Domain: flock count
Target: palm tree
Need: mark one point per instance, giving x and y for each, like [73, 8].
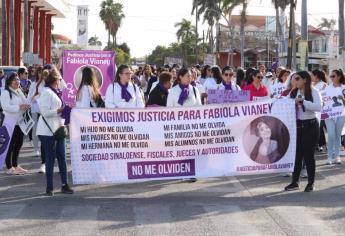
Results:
[115, 23]
[304, 32]
[4, 33]
[341, 26]
[185, 29]
[291, 58]
[94, 41]
[279, 4]
[185, 36]
[111, 14]
[328, 24]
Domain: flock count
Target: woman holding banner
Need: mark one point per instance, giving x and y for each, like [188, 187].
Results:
[51, 108]
[227, 80]
[183, 94]
[308, 103]
[14, 104]
[122, 93]
[335, 125]
[88, 94]
[255, 86]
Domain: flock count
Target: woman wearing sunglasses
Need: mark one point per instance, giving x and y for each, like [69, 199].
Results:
[308, 103]
[255, 86]
[335, 125]
[228, 82]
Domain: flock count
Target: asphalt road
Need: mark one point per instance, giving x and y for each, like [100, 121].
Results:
[250, 205]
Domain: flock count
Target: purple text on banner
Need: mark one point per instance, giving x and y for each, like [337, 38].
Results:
[160, 169]
[217, 96]
[102, 62]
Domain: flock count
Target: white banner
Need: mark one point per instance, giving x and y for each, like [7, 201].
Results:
[126, 145]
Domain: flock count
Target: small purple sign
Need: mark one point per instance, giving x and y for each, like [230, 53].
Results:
[102, 62]
[160, 169]
[217, 96]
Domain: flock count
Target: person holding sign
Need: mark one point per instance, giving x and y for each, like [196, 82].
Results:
[14, 104]
[88, 94]
[227, 80]
[122, 93]
[335, 125]
[255, 86]
[308, 103]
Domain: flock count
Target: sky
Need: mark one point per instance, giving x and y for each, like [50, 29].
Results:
[149, 23]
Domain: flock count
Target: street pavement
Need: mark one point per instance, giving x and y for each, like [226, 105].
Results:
[246, 205]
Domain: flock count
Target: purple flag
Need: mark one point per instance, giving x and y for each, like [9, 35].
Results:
[6, 131]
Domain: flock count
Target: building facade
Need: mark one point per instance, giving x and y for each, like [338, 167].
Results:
[26, 29]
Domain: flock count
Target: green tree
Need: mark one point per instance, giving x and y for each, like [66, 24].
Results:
[122, 57]
[94, 41]
[185, 30]
[111, 14]
[124, 47]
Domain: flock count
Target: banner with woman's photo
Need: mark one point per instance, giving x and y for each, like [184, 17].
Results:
[333, 105]
[102, 62]
[125, 145]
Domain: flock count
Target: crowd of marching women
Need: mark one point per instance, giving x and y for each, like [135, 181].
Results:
[41, 95]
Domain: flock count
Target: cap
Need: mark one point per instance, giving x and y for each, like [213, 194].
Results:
[269, 74]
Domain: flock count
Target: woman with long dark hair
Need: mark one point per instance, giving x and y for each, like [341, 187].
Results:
[216, 78]
[308, 102]
[240, 77]
[335, 125]
[255, 86]
[88, 94]
[14, 104]
[122, 92]
[205, 73]
[183, 93]
[228, 82]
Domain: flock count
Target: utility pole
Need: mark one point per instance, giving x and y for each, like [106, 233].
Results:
[304, 35]
[196, 33]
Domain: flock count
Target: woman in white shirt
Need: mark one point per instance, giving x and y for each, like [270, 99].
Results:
[183, 93]
[122, 93]
[335, 125]
[228, 82]
[34, 94]
[195, 83]
[14, 104]
[51, 107]
[308, 102]
[88, 94]
[319, 80]
[214, 80]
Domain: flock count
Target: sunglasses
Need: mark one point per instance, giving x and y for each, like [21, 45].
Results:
[259, 77]
[228, 74]
[332, 76]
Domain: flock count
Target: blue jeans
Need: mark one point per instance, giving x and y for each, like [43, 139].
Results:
[334, 128]
[54, 148]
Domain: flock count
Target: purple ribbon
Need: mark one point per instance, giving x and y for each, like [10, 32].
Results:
[124, 92]
[227, 86]
[193, 83]
[184, 94]
[66, 112]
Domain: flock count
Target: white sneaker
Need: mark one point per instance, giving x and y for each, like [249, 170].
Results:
[42, 169]
[328, 162]
[37, 153]
[338, 160]
[287, 175]
[10, 171]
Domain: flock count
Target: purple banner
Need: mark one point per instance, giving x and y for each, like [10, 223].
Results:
[160, 169]
[103, 63]
[217, 96]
